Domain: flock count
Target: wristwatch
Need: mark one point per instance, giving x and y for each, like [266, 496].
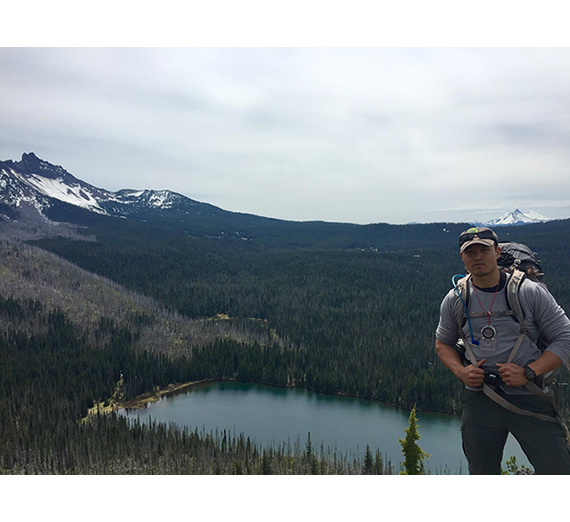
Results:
[529, 373]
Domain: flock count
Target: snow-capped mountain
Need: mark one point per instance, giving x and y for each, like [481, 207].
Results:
[516, 217]
[36, 183]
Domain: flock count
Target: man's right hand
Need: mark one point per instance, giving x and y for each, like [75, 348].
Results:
[471, 375]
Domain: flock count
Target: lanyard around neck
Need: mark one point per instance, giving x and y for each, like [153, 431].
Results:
[492, 302]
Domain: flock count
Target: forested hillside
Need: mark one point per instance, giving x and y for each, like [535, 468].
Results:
[87, 299]
[55, 365]
[354, 321]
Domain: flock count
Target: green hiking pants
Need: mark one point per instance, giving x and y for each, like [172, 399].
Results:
[485, 426]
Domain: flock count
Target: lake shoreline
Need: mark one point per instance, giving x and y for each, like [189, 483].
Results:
[285, 415]
[141, 401]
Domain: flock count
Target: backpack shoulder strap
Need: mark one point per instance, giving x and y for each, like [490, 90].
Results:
[462, 302]
[513, 288]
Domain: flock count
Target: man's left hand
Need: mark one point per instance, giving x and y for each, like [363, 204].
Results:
[512, 374]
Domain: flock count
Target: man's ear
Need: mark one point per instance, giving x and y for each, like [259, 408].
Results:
[498, 252]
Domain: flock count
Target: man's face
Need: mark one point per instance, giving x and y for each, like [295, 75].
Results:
[481, 260]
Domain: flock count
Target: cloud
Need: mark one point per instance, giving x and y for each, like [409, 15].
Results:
[359, 135]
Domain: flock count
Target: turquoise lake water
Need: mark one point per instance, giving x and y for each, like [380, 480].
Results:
[272, 415]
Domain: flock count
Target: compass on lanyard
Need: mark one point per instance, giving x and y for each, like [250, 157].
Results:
[488, 331]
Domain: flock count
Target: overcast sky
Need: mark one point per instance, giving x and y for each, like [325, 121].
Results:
[355, 135]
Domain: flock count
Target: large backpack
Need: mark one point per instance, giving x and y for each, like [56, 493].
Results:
[517, 255]
[520, 262]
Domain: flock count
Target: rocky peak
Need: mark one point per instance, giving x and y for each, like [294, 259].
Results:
[31, 164]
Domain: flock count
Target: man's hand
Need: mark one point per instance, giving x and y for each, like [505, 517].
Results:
[512, 374]
[471, 375]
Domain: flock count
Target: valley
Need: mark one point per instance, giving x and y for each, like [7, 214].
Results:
[158, 290]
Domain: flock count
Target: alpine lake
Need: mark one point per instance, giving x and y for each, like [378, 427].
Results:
[271, 415]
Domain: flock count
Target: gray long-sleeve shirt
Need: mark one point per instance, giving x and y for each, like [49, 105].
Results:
[542, 315]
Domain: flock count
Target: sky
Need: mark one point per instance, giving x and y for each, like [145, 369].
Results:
[360, 135]
[305, 110]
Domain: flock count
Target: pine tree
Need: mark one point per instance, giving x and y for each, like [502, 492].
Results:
[311, 459]
[413, 454]
[266, 464]
[309, 447]
[378, 464]
[368, 461]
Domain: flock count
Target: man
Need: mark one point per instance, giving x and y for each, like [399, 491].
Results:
[490, 335]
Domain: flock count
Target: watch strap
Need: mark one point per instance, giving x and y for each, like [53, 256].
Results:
[529, 373]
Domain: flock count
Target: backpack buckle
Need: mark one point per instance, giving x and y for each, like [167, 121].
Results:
[493, 379]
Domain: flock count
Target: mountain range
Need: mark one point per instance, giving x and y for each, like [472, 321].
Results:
[40, 184]
[42, 197]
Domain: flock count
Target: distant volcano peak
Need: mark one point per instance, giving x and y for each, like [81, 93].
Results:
[517, 217]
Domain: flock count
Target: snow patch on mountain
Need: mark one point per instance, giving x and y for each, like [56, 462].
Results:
[132, 193]
[57, 188]
[161, 199]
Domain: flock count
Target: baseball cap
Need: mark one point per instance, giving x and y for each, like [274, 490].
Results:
[477, 235]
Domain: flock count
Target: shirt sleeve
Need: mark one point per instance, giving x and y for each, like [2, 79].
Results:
[447, 329]
[550, 319]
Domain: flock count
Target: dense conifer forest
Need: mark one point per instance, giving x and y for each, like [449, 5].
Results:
[149, 308]
[358, 321]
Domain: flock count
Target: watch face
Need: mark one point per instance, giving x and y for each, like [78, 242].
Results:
[488, 332]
